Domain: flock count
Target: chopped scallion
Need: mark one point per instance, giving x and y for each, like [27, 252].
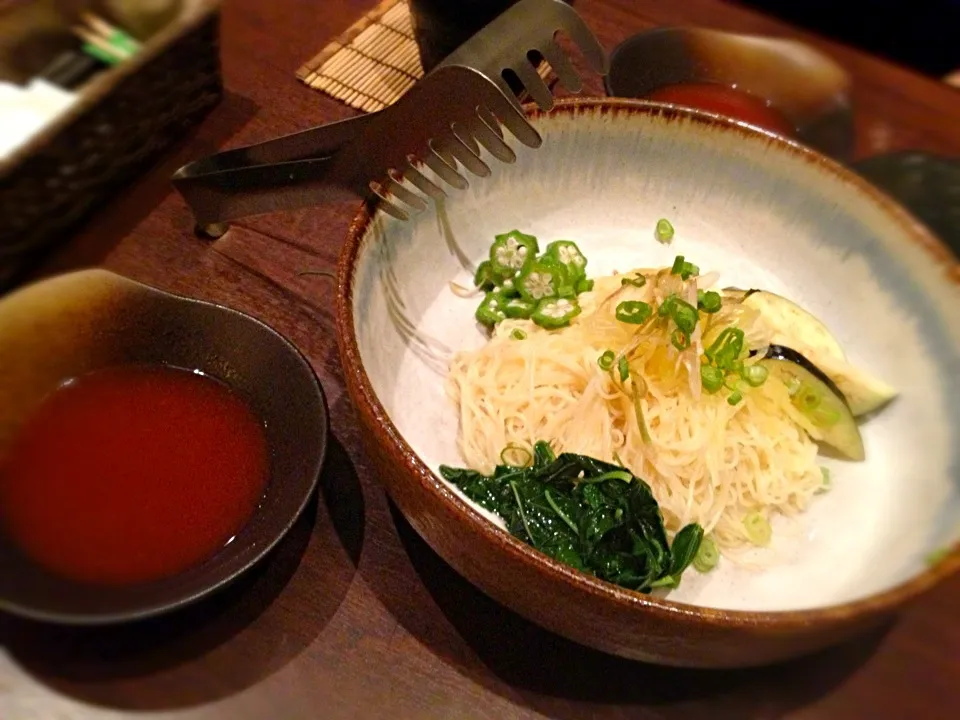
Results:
[666, 307]
[624, 367]
[518, 334]
[513, 448]
[683, 268]
[755, 375]
[640, 386]
[684, 315]
[711, 377]
[735, 397]
[808, 400]
[634, 312]
[707, 556]
[680, 340]
[638, 281]
[605, 361]
[827, 481]
[664, 230]
[758, 529]
[709, 301]
[726, 349]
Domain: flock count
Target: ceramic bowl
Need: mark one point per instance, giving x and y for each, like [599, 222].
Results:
[764, 212]
[80, 322]
[810, 89]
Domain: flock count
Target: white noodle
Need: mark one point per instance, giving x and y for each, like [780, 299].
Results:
[707, 461]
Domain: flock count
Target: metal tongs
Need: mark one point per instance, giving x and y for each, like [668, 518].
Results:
[440, 123]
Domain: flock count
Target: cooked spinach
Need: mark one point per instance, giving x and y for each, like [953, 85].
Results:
[596, 517]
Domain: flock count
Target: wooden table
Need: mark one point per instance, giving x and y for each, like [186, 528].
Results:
[353, 616]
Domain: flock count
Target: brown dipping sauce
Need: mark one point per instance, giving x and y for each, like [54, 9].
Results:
[133, 474]
[728, 102]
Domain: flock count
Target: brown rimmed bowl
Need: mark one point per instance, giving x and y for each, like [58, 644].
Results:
[810, 89]
[764, 212]
[80, 322]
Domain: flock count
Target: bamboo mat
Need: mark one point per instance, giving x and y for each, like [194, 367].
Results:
[375, 61]
[372, 64]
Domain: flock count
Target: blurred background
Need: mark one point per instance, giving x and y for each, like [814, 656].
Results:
[921, 34]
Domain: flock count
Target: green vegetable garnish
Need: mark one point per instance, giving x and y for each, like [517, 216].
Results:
[707, 556]
[709, 301]
[584, 285]
[540, 280]
[684, 315]
[606, 524]
[552, 313]
[636, 396]
[518, 334]
[664, 230]
[725, 350]
[511, 253]
[758, 529]
[634, 312]
[638, 281]
[567, 254]
[735, 397]
[484, 277]
[683, 268]
[827, 481]
[755, 375]
[491, 309]
[509, 288]
[680, 311]
[680, 340]
[711, 378]
[518, 308]
[624, 368]
[512, 448]
[605, 361]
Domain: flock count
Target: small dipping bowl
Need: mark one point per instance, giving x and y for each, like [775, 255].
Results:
[86, 321]
[806, 87]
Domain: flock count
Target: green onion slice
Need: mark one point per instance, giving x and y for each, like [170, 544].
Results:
[709, 301]
[755, 375]
[680, 340]
[711, 378]
[605, 361]
[634, 312]
[514, 448]
[637, 281]
[827, 480]
[664, 230]
[758, 529]
[707, 556]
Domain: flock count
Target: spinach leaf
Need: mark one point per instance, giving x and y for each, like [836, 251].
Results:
[591, 515]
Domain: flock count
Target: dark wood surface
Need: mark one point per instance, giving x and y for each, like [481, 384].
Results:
[353, 616]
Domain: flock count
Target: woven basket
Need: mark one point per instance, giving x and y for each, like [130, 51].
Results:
[125, 118]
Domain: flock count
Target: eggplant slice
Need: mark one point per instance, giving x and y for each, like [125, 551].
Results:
[864, 393]
[818, 398]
